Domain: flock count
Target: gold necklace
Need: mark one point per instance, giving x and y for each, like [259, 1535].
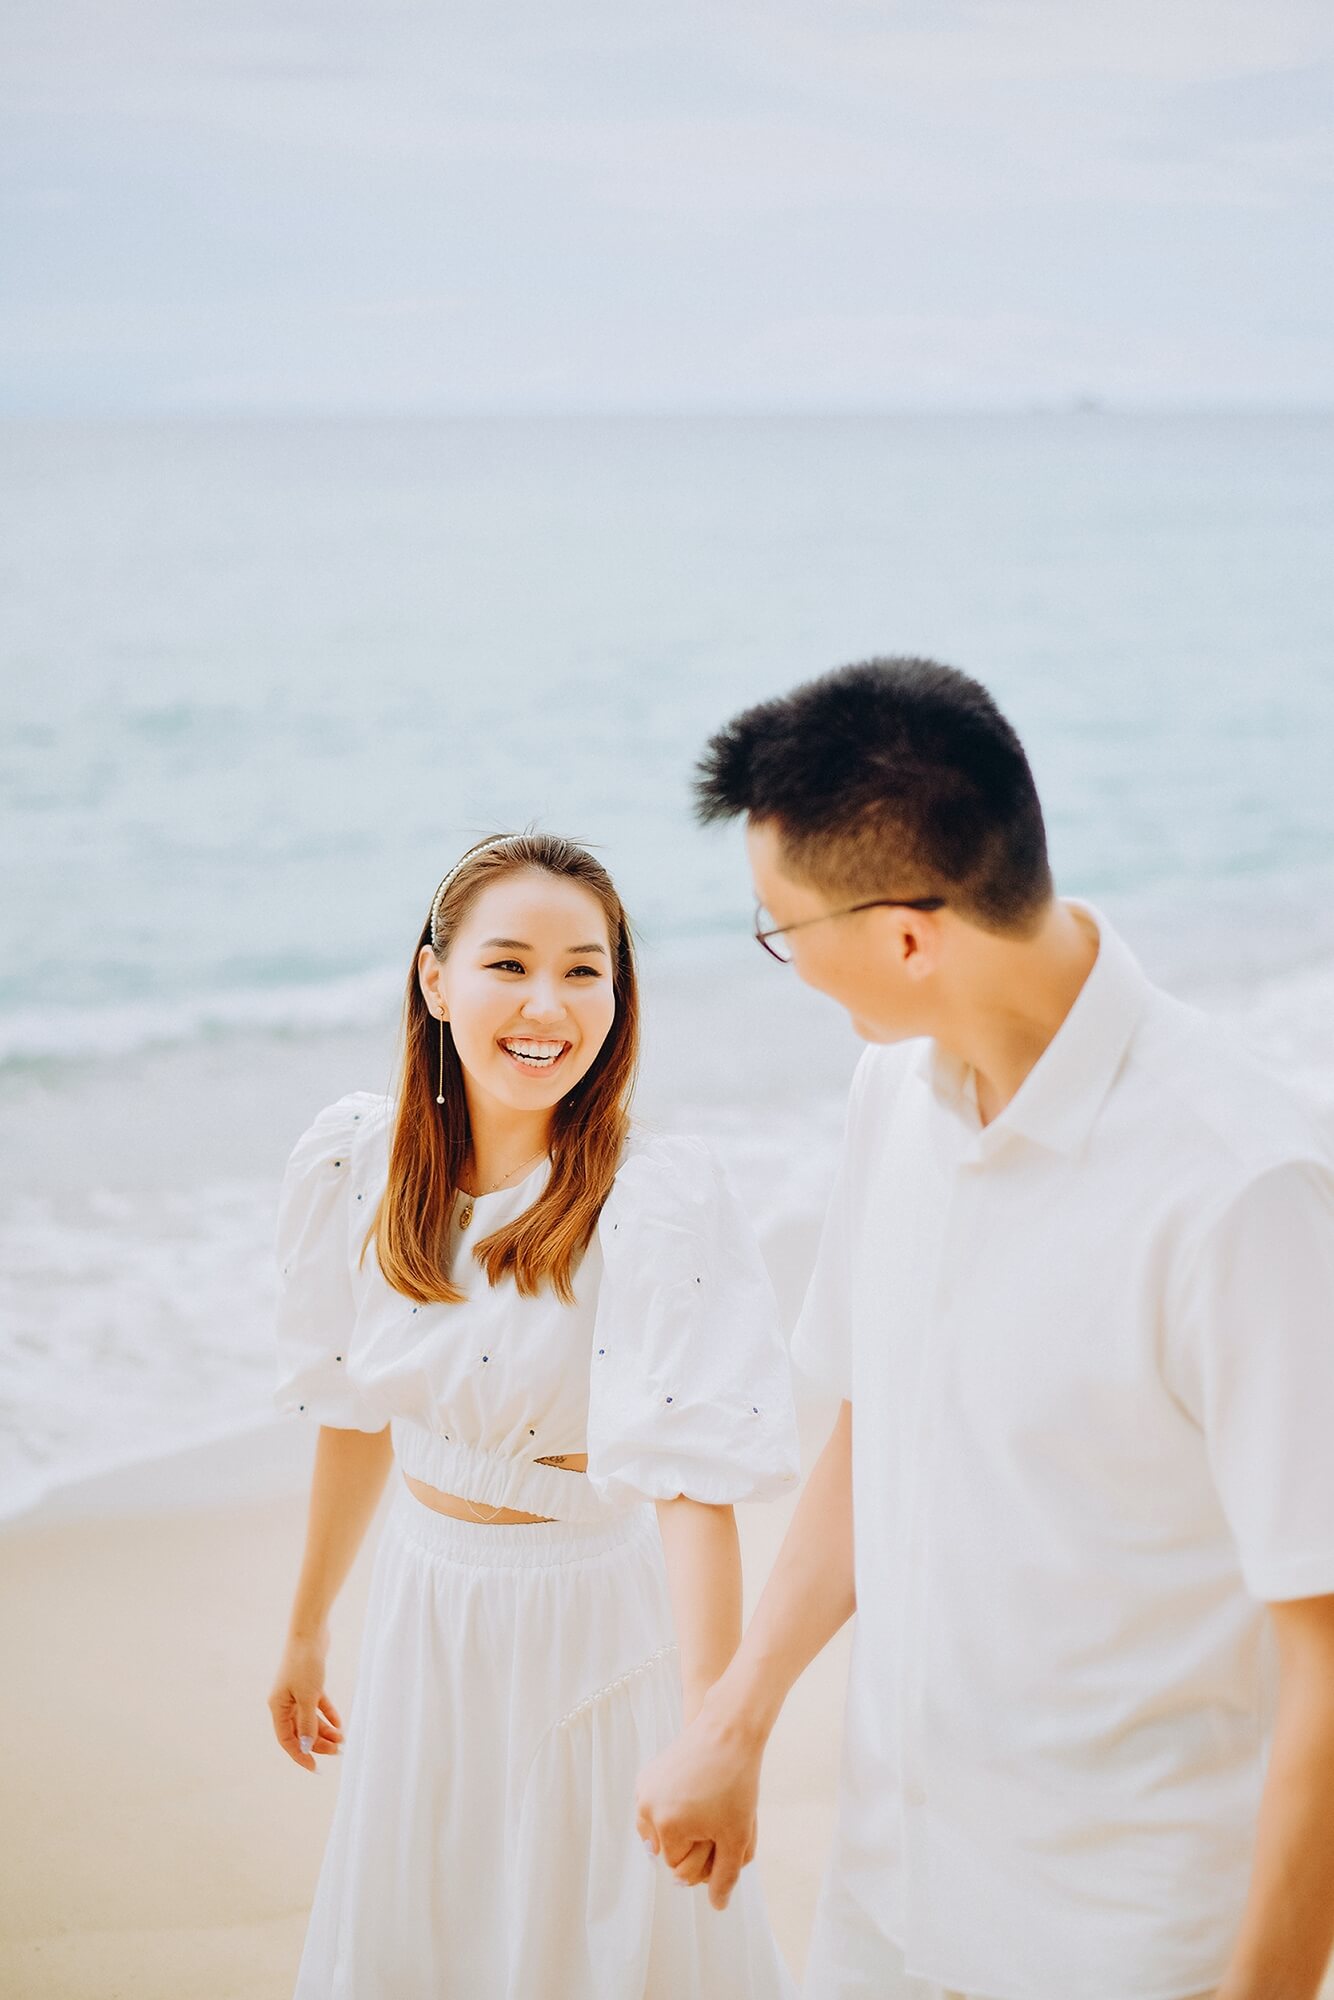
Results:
[470, 1200]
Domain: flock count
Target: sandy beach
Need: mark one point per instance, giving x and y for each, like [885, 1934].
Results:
[157, 1845]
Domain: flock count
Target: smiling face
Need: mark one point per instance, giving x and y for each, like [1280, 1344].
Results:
[526, 986]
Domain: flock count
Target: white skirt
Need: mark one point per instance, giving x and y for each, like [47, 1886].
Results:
[513, 1682]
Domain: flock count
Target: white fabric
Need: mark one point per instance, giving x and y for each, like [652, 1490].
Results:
[669, 1369]
[513, 1681]
[852, 1959]
[1089, 1358]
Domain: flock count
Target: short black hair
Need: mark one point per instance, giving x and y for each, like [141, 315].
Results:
[897, 776]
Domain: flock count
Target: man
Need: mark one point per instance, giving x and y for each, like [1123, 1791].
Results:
[1075, 1291]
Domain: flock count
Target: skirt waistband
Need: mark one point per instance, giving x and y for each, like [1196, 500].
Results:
[492, 1479]
[518, 1544]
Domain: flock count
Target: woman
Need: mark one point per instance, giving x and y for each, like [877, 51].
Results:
[549, 1319]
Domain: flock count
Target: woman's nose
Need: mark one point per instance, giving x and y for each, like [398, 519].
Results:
[544, 1003]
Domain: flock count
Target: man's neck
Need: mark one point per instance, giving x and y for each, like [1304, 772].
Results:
[1015, 1007]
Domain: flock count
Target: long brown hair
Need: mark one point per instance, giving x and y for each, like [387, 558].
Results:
[431, 1141]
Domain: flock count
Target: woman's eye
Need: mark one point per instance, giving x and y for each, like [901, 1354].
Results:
[576, 971]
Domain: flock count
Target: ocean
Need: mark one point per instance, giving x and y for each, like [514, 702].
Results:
[263, 680]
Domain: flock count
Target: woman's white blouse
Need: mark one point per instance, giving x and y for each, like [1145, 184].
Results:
[669, 1369]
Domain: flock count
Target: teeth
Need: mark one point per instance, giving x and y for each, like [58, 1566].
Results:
[540, 1055]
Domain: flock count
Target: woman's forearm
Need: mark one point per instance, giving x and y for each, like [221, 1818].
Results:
[704, 1787]
[703, 1559]
[349, 1476]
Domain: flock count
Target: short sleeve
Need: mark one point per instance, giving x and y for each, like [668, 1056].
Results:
[316, 1312]
[690, 1391]
[1259, 1352]
[822, 1338]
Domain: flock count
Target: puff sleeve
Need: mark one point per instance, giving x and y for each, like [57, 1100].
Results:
[690, 1391]
[316, 1311]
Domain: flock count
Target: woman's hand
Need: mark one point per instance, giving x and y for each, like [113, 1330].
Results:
[696, 1802]
[305, 1721]
[349, 1475]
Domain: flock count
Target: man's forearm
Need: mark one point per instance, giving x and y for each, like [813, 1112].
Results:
[810, 1594]
[1287, 1928]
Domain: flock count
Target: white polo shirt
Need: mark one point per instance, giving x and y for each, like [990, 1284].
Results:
[1090, 1354]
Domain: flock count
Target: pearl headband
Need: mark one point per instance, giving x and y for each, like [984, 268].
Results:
[493, 840]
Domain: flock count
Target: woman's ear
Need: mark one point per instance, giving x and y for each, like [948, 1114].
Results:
[428, 978]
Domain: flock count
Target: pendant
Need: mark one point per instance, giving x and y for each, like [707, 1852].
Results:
[465, 1215]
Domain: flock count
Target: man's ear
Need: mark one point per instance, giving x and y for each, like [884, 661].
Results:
[919, 942]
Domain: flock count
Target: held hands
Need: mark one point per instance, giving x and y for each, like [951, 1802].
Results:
[696, 1803]
[305, 1721]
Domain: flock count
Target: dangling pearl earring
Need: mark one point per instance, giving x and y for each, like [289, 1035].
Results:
[440, 1087]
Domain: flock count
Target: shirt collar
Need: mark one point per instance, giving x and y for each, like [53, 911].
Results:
[1059, 1099]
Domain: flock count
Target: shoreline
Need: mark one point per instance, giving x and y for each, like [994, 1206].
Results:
[268, 1461]
[249, 1456]
[141, 1287]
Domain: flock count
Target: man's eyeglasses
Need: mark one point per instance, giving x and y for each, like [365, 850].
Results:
[765, 932]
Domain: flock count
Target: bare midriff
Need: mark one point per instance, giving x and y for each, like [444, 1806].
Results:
[491, 1517]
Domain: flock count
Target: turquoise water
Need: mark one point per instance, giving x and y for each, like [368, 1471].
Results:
[263, 681]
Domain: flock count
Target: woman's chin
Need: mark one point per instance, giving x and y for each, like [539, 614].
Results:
[532, 1089]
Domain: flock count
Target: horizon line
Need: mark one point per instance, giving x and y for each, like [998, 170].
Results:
[1090, 405]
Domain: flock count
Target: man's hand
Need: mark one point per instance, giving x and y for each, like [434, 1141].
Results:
[697, 1799]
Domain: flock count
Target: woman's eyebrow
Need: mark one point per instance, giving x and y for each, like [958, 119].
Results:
[517, 944]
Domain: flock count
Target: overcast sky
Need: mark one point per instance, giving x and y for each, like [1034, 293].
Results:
[348, 204]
